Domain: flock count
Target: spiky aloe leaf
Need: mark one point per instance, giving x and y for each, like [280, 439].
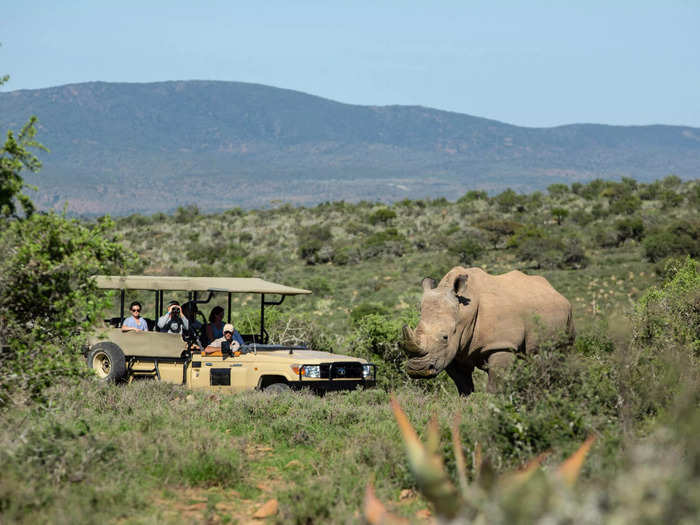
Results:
[523, 474]
[375, 512]
[428, 469]
[570, 469]
[459, 455]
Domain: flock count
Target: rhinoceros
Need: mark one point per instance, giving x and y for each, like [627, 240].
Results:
[472, 319]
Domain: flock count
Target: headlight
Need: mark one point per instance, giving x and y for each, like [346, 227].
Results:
[366, 371]
[312, 371]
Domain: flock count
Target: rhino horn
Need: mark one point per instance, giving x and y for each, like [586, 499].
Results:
[410, 344]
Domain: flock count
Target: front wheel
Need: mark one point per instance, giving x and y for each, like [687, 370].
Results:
[108, 362]
[278, 388]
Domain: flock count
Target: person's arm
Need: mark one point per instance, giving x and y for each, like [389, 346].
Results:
[210, 332]
[144, 325]
[164, 319]
[238, 338]
[128, 325]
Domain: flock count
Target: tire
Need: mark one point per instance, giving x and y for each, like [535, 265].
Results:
[107, 360]
[277, 388]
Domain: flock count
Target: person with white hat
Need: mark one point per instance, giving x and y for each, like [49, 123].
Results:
[230, 344]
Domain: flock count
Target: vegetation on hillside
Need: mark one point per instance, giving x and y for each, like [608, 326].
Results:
[123, 147]
[620, 251]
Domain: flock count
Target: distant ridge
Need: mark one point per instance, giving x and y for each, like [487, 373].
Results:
[122, 148]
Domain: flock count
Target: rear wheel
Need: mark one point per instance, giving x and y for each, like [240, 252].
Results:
[278, 388]
[107, 360]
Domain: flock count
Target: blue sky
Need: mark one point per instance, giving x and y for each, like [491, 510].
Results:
[530, 63]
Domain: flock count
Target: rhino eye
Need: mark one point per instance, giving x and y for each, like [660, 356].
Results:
[444, 338]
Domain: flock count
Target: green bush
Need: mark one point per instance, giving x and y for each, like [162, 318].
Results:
[467, 250]
[362, 310]
[560, 214]
[557, 190]
[312, 241]
[378, 338]
[679, 238]
[382, 216]
[625, 205]
[186, 214]
[385, 242]
[473, 195]
[630, 228]
[49, 300]
[670, 314]
[509, 201]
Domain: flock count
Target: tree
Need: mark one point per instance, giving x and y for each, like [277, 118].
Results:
[560, 214]
[467, 250]
[48, 299]
[15, 157]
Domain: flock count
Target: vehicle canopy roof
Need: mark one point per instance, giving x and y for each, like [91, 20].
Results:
[196, 284]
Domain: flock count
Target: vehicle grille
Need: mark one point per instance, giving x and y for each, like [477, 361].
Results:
[343, 370]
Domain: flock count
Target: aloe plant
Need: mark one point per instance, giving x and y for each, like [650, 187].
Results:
[479, 500]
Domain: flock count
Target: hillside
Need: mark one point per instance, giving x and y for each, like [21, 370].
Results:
[123, 148]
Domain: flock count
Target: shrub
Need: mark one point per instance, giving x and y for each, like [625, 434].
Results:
[498, 229]
[186, 214]
[560, 214]
[557, 190]
[467, 250]
[382, 216]
[670, 199]
[362, 310]
[311, 240]
[48, 299]
[606, 237]
[670, 314]
[679, 238]
[386, 242]
[629, 228]
[258, 262]
[473, 195]
[593, 189]
[582, 217]
[625, 205]
[378, 338]
[509, 200]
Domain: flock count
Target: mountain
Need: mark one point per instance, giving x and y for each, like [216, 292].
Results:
[122, 148]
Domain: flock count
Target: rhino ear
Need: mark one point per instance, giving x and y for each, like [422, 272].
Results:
[428, 283]
[460, 285]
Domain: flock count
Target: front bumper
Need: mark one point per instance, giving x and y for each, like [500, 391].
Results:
[325, 385]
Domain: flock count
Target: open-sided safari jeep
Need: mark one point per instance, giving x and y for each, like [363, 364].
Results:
[118, 356]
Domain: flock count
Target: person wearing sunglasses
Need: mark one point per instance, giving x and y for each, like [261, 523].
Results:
[230, 344]
[135, 323]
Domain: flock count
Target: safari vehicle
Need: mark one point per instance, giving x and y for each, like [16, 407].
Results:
[174, 358]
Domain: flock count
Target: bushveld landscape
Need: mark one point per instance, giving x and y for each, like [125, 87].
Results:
[624, 253]
[122, 148]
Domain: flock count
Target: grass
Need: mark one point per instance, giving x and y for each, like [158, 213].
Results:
[152, 453]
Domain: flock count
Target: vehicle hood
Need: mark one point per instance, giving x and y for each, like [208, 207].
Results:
[308, 357]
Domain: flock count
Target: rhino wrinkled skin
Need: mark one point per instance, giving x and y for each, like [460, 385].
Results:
[472, 319]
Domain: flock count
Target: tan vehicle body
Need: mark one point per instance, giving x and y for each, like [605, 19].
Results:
[168, 357]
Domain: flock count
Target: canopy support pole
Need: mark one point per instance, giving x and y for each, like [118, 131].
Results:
[229, 308]
[121, 307]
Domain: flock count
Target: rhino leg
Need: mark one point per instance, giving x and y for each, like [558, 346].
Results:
[462, 376]
[498, 365]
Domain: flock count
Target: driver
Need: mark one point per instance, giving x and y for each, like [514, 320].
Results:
[230, 344]
[173, 321]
